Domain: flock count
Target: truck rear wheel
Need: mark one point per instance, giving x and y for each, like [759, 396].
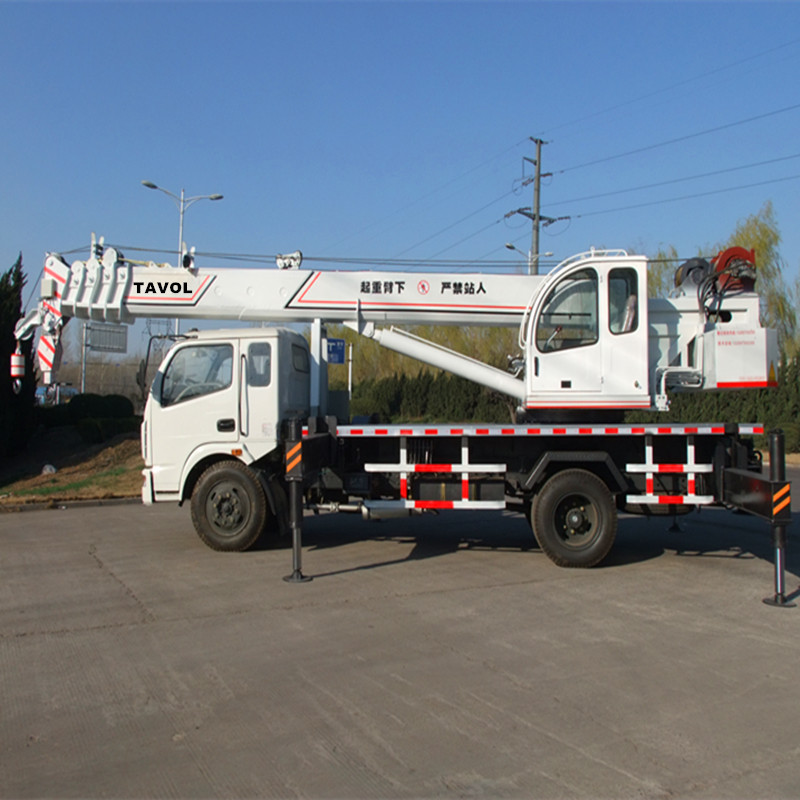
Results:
[229, 507]
[574, 518]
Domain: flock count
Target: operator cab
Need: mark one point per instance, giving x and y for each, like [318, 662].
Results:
[587, 336]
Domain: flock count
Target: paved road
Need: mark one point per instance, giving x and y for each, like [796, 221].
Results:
[447, 658]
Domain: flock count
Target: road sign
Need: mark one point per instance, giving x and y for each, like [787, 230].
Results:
[107, 338]
[336, 351]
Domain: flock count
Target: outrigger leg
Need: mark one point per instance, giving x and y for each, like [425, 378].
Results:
[294, 477]
[781, 497]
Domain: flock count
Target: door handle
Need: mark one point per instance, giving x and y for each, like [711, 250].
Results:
[226, 425]
[243, 399]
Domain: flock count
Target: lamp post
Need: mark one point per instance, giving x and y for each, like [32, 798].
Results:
[532, 258]
[182, 203]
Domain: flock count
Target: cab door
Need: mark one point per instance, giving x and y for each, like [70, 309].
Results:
[565, 363]
[194, 402]
[258, 409]
[625, 355]
[588, 341]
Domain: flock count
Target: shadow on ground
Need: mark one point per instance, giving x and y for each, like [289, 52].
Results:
[711, 534]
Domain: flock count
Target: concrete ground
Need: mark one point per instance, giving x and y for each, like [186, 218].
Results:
[439, 657]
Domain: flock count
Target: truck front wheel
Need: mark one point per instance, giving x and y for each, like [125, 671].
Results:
[574, 518]
[229, 507]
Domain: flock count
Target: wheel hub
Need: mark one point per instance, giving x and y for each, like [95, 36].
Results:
[576, 520]
[225, 508]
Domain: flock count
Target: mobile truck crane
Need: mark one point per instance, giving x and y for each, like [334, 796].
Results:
[235, 417]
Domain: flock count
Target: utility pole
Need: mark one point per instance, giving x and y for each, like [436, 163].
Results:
[533, 267]
[533, 213]
[535, 216]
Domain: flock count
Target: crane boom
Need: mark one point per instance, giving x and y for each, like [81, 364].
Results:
[111, 289]
[590, 339]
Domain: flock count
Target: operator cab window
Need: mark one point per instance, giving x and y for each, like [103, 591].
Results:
[197, 371]
[299, 358]
[623, 300]
[259, 356]
[569, 314]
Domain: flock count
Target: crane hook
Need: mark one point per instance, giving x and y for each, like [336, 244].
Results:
[17, 369]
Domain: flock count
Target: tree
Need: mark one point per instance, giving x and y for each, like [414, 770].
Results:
[660, 271]
[760, 232]
[16, 410]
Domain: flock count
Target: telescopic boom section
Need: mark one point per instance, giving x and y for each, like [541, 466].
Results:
[113, 290]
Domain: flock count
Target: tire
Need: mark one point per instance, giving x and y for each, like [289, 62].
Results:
[574, 519]
[229, 507]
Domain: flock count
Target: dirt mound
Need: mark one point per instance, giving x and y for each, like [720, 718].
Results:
[82, 471]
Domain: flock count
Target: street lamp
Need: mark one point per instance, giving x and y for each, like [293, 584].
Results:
[532, 258]
[183, 203]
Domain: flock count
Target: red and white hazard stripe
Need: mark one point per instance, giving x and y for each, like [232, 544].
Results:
[46, 355]
[56, 270]
[436, 468]
[434, 504]
[46, 352]
[17, 365]
[651, 469]
[389, 431]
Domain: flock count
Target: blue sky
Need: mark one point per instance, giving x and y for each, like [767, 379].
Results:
[394, 130]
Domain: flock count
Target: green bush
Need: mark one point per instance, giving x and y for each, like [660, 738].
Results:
[118, 406]
[128, 424]
[428, 398]
[791, 432]
[87, 405]
[53, 416]
[83, 406]
[98, 429]
[90, 430]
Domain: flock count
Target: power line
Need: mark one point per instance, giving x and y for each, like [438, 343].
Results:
[623, 191]
[432, 192]
[525, 181]
[687, 197]
[458, 222]
[467, 238]
[670, 87]
[267, 258]
[394, 262]
[675, 180]
[680, 139]
[632, 152]
[557, 127]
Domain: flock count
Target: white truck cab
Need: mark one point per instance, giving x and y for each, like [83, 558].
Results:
[220, 393]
